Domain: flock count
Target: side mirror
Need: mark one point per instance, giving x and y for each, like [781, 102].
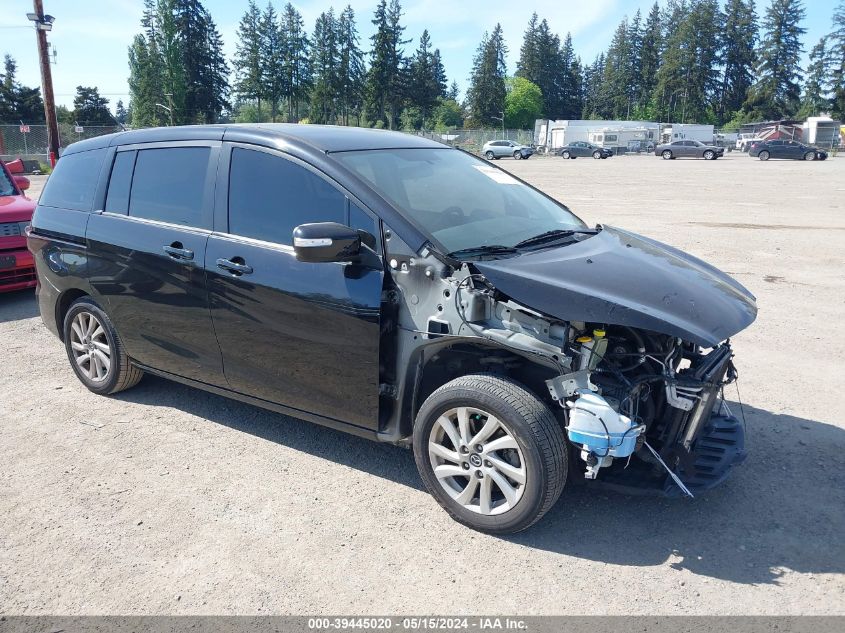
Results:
[326, 242]
[22, 182]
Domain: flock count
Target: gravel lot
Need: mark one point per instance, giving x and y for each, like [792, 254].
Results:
[165, 499]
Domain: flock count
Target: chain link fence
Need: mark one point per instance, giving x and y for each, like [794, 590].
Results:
[473, 140]
[30, 141]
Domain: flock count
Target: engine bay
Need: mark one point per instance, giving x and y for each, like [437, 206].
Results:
[638, 406]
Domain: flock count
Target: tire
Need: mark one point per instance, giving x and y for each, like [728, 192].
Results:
[667, 154]
[709, 155]
[764, 155]
[597, 155]
[566, 155]
[810, 156]
[88, 331]
[532, 447]
[517, 155]
[489, 155]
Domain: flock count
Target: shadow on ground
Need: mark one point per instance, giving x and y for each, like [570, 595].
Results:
[783, 509]
[17, 305]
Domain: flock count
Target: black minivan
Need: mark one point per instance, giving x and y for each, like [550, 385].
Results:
[398, 289]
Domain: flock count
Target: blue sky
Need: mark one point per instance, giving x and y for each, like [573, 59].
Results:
[91, 36]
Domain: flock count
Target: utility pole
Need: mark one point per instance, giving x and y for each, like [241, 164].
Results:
[42, 25]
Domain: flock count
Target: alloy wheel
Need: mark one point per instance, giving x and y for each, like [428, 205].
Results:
[477, 460]
[90, 346]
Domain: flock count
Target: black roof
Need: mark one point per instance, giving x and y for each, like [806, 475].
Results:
[314, 143]
[323, 138]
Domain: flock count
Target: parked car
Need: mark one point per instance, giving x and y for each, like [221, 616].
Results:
[764, 150]
[498, 149]
[688, 149]
[582, 149]
[16, 268]
[398, 289]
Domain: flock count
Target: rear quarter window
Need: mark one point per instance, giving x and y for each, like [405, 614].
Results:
[73, 181]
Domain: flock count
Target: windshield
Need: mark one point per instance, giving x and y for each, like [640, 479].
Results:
[459, 200]
[6, 186]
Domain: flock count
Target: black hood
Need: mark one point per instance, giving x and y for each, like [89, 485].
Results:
[621, 278]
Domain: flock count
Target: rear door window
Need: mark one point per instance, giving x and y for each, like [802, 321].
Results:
[269, 196]
[169, 185]
[72, 183]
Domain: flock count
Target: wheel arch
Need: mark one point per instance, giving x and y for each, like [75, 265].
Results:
[66, 299]
[443, 360]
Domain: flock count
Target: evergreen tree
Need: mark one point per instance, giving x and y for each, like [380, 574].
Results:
[814, 100]
[453, 91]
[426, 85]
[248, 61]
[593, 89]
[529, 64]
[649, 61]
[18, 103]
[571, 84]
[739, 56]
[836, 61]
[486, 94]
[89, 108]
[146, 84]
[351, 70]
[776, 93]
[271, 54]
[325, 66]
[615, 97]
[120, 113]
[688, 77]
[385, 84]
[295, 60]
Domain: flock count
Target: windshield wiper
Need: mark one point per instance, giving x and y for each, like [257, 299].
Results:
[485, 249]
[553, 235]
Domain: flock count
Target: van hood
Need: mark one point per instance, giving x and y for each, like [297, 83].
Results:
[620, 278]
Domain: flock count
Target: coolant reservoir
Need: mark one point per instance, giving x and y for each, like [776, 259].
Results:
[599, 429]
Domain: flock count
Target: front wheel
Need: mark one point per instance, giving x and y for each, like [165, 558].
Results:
[597, 155]
[490, 452]
[709, 155]
[517, 155]
[667, 155]
[764, 155]
[810, 156]
[95, 351]
[489, 155]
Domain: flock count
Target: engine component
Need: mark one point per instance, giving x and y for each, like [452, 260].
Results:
[602, 432]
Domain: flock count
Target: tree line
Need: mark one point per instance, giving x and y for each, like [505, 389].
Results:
[685, 61]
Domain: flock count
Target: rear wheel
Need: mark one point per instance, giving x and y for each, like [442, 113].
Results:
[764, 155]
[667, 154]
[709, 154]
[489, 155]
[490, 452]
[95, 351]
[810, 156]
[597, 155]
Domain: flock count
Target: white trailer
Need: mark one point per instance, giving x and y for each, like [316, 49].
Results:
[821, 131]
[688, 132]
[555, 134]
[623, 139]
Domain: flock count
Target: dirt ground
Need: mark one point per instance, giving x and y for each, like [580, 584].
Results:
[165, 499]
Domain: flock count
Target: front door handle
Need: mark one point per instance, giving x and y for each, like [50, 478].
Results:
[177, 251]
[236, 266]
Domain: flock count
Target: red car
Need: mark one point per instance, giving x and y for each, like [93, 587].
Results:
[17, 270]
